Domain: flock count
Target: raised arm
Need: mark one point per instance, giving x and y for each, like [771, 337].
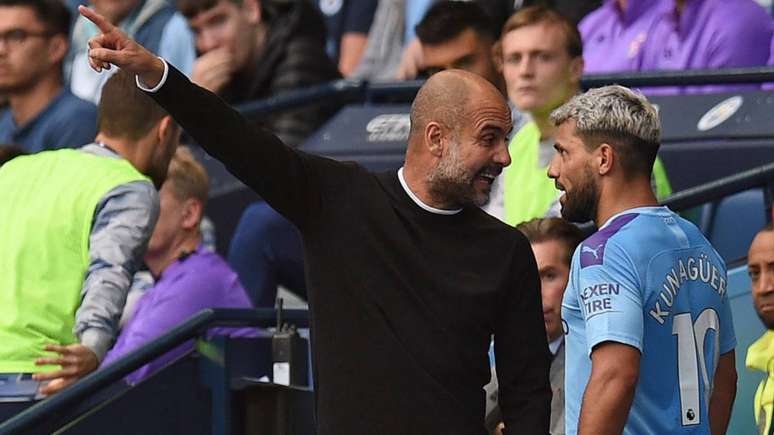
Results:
[285, 178]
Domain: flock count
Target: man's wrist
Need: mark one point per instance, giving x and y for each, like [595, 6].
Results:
[153, 79]
[98, 341]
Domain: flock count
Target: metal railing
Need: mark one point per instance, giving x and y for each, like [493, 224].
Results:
[720, 188]
[194, 327]
[354, 91]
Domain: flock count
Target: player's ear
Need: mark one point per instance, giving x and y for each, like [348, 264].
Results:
[605, 157]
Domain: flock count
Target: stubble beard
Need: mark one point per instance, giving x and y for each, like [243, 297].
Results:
[581, 205]
[451, 183]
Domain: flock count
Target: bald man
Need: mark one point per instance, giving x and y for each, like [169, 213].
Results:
[408, 278]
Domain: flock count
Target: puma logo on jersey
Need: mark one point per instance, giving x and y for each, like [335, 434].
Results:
[594, 252]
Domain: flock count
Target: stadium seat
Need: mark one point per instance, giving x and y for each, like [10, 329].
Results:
[736, 220]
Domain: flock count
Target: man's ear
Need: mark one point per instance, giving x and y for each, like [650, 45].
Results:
[57, 48]
[434, 138]
[192, 213]
[167, 127]
[605, 156]
[252, 10]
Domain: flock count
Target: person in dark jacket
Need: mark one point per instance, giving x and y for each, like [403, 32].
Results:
[254, 49]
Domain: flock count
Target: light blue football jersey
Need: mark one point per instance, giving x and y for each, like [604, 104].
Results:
[649, 279]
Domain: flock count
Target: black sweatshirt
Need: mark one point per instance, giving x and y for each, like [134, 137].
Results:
[402, 301]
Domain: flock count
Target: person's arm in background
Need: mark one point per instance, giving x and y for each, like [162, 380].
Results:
[123, 223]
[360, 16]
[410, 61]
[522, 358]
[615, 368]
[723, 393]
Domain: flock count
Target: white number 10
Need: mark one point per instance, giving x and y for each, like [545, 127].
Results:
[690, 345]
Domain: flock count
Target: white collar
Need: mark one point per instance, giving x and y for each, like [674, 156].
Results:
[419, 201]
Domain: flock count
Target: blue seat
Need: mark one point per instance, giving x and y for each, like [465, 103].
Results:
[736, 220]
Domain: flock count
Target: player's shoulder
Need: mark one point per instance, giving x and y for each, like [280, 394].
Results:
[613, 238]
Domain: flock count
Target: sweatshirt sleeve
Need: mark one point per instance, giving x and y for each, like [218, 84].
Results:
[521, 349]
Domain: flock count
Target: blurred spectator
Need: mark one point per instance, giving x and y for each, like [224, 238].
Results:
[74, 225]
[542, 61]
[384, 47]
[394, 52]
[8, 152]
[553, 240]
[760, 356]
[252, 50]
[266, 251]
[712, 34]
[190, 278]
[347, 22]
[456, 34]
[615, 34]
[41, 113]
[155, 23]
[677, 35]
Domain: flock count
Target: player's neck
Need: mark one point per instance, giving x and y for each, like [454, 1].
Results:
[616, 198]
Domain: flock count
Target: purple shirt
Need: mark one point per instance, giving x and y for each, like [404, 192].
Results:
[201, 280]
[708, 34]
[613, 39]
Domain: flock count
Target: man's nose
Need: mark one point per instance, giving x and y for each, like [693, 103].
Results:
[767, 281]
[206, 41]
[527, 66]
[502, 156]
[553, 167]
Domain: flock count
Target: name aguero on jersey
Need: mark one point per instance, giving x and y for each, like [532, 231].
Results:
[691, 269]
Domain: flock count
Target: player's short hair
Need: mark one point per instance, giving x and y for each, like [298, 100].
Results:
[187, 177]
[534, 15]
[617, 116]
[547, 229]
[124, 110]
[52, 13]
[446, 20]
[766, 228]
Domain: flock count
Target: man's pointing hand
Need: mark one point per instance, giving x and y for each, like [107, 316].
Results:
[112, 46]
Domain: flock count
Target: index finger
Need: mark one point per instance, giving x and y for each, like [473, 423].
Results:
[101, 22]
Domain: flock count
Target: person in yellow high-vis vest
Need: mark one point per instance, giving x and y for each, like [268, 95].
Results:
[541, 57]
[760, 355]
[74, 224]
